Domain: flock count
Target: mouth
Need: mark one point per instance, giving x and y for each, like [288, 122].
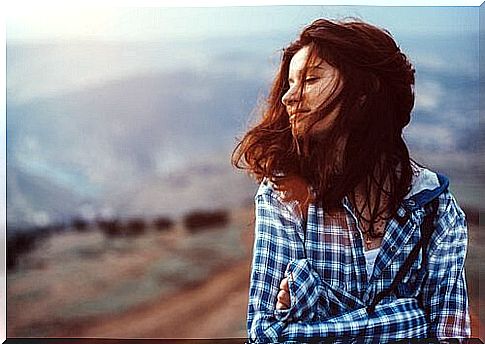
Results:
[295, 115]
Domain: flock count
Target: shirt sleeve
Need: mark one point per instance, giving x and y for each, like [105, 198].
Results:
[445, 297]
[398, 319]
[275, 257]
[402, 318]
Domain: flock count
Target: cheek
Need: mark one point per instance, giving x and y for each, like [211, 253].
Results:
[318, 94]
[313, 95]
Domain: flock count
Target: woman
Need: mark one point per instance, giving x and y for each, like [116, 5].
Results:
[352, 237]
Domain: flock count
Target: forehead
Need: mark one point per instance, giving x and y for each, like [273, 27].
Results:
[298, 61]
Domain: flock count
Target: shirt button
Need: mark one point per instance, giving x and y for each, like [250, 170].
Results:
[393, 248]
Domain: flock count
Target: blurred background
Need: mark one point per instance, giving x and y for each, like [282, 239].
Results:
[124, 216]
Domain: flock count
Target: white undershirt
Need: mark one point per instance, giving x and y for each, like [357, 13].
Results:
[370, 258]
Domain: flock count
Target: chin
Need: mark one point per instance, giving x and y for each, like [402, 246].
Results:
[314, 133]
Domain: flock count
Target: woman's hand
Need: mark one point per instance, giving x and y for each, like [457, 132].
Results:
[283, 295]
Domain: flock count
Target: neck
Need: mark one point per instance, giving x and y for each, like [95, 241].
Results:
[370, 198]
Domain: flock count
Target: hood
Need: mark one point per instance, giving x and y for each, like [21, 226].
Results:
[426, 185]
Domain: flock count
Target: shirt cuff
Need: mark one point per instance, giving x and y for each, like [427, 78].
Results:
[305, 287]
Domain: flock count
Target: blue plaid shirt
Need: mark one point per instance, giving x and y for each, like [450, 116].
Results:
[329, 286]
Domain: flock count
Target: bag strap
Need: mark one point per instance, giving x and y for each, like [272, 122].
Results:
[427, 229]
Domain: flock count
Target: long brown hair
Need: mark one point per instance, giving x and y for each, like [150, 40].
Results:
[376, 99]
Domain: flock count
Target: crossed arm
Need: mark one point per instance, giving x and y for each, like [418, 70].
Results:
[273, 317]
[302, 320]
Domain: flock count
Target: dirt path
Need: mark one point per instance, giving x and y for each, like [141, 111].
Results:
[215, 309]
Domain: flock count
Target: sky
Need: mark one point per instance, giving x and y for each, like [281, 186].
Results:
[69, 67]
[152, 24]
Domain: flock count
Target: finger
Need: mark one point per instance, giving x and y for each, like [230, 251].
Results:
[284, 298]
[284, 284]
[281, 306]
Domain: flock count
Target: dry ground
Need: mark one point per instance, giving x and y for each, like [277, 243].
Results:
[79, 285]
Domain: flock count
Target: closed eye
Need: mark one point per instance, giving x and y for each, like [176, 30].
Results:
[312, 79]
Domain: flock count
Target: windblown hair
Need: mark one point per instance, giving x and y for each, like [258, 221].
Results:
[376, 99]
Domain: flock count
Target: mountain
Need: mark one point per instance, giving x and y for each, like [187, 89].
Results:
[148, 128]
[34, 200]
[101, 141]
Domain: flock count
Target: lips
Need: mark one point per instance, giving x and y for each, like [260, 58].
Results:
[295, 115]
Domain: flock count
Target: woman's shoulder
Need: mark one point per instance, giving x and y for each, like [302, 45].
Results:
[266, 187]
[271, 198]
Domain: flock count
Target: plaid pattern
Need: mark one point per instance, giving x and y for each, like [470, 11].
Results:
[328, 282]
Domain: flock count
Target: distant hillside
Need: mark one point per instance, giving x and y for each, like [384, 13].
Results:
[97, 128]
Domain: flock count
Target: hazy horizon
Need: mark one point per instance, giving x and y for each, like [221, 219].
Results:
[96, 127]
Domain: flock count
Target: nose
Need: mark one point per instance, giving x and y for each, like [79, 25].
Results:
[291, 96]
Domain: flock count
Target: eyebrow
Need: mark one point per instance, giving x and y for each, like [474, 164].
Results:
[316, 67]
[310, 68]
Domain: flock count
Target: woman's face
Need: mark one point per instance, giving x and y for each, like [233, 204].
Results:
[304, 97]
